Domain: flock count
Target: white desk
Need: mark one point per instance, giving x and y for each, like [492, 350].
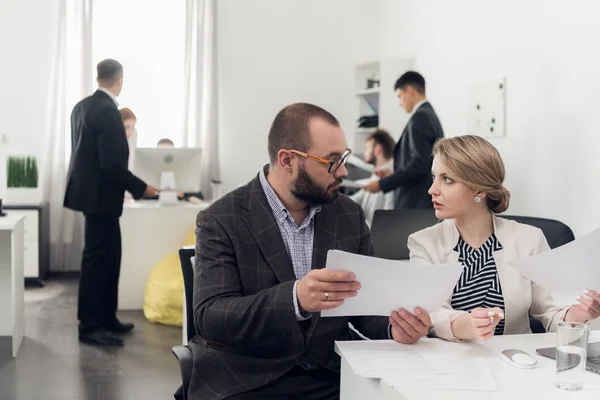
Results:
[150, 233]
[12, 284]
[513, 383]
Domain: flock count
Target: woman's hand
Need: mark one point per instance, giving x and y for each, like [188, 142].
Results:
[587, 309]
[484, 321]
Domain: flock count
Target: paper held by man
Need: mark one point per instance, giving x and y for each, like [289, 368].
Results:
[566, 270]
[388, 285]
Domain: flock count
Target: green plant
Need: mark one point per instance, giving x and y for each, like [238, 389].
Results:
[21, 172]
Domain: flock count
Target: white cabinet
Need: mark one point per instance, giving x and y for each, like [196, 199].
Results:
[35, 241]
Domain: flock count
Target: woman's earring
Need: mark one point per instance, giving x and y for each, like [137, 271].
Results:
[477, 199]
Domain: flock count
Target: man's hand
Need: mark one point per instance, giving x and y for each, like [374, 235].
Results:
[323, 289]
[372, 187]
[384, 172]
[407, 328]
[483, 325]
[151, 191]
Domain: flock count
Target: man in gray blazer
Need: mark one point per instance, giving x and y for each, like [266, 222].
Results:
[411, 176]
[260, 281]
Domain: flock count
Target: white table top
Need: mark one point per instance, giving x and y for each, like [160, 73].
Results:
[513, 383]
[154, 204]
[11, 219]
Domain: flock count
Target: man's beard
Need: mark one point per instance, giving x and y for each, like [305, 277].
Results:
[372, 160]
[306, 189]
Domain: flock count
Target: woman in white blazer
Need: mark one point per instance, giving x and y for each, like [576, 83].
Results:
[490, 297]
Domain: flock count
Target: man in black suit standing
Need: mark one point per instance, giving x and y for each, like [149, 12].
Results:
[412, 155]
[97, 180]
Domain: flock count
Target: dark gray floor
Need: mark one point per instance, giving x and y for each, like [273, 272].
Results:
[53, 365]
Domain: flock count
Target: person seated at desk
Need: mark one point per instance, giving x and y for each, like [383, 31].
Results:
[467, 192]
[165, 143]
[192, 197]
[259, 279]
[379, 151]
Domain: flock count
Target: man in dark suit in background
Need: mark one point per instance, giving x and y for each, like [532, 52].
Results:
[259, 282]
[97, 180]
[412, 155]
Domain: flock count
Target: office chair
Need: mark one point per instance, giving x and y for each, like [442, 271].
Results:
[391, 228]
[182, 353]
[557, 234]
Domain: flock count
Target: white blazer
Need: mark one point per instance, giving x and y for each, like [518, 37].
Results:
[435, 245]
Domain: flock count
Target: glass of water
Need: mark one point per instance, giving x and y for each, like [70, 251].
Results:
[571, 354]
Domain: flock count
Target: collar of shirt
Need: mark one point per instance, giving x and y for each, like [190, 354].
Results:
[112, 96]
[419, 104]
[279, 211]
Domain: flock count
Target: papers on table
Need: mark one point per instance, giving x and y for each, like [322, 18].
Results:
[357, 162]
[353, 184]
[387, 285]
[417, 366]
[566, 270]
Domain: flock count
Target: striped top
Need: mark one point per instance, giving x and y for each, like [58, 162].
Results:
[479, 284]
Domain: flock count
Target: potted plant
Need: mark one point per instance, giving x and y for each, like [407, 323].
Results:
[22, 180]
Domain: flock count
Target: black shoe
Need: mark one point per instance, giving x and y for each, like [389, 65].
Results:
[100, 338]
[119, 327]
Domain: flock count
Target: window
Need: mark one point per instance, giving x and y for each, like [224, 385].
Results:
[148, 38]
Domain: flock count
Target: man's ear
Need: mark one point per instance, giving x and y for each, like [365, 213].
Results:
[284, 160]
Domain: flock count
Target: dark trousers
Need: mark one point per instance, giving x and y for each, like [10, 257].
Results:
[99, 277]
[298, 384]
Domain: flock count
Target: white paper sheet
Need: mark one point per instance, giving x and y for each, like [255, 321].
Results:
[387, 358]
[357, 162]
[353, 184]
[388, 285]
[415, 366]
[566, 270]
[470, 374]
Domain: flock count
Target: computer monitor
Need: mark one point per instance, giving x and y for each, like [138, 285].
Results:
[169, 168]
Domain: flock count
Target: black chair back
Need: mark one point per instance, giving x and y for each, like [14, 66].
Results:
[556, 232]
[185, 256]
[391, 228]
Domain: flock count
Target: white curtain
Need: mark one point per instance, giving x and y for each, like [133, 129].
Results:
[71, 80]
[200, 86]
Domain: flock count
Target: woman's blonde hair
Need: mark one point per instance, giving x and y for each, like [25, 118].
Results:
[477, 163]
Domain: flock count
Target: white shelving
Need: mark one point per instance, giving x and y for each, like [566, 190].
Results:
[368, 92]
[375, 95]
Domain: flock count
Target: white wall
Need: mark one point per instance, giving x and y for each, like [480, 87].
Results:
[27, 36]
[548, 52]
[274, 53]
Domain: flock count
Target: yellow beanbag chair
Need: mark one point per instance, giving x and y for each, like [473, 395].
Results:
[163, 299]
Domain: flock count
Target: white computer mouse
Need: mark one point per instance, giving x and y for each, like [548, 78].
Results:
[518, 358]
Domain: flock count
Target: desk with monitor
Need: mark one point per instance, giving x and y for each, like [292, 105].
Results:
[153, 229]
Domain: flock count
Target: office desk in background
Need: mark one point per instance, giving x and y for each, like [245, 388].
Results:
[12, 284]
[150, 233]
[513, 383]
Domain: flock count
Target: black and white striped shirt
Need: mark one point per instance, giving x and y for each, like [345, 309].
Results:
[479, 285]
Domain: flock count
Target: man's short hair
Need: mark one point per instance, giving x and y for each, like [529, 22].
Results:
[411, 78]
[109, 71]
[290, 129]
[385, 140]
[165, 141]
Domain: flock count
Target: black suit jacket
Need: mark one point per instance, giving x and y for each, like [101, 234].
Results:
[244, 314]
[412, 160]
[98, 176]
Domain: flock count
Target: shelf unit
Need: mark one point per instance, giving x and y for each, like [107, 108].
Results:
[380, 99]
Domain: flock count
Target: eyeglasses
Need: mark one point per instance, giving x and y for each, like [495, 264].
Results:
[333, 165]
